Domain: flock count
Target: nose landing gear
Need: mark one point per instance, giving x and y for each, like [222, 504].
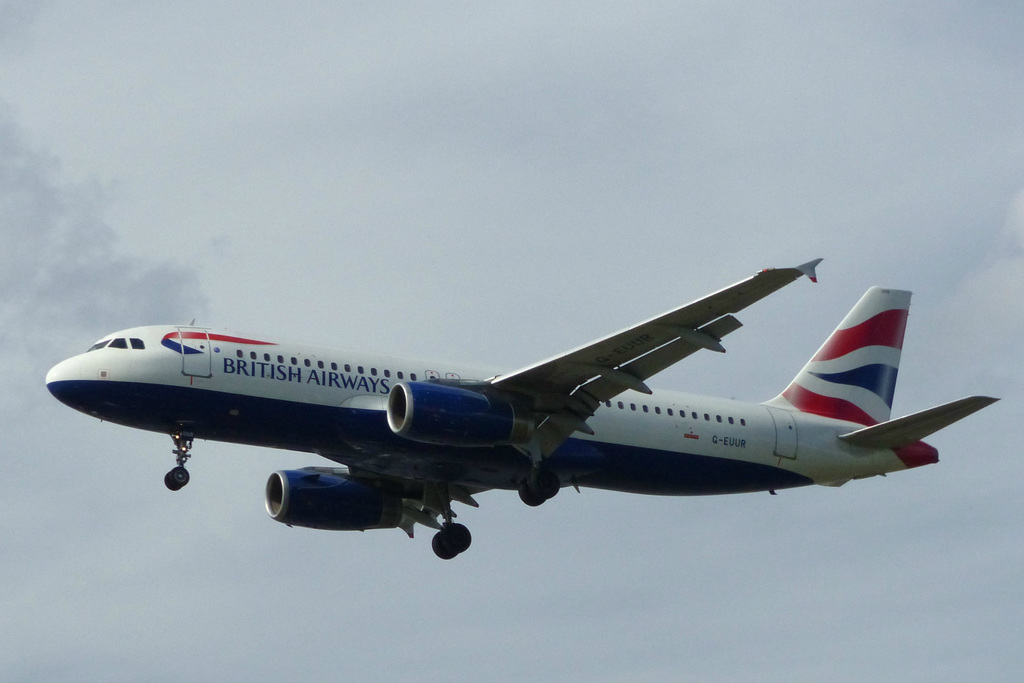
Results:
[178, 477]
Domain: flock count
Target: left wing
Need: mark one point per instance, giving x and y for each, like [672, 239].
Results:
[567, 389]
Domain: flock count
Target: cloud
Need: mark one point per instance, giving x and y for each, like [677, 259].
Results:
[983, 319]
[63, 277]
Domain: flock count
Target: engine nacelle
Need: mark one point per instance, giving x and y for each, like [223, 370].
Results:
[328, 501]
[455, 416]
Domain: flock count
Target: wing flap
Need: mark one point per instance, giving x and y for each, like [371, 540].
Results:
[912, 428]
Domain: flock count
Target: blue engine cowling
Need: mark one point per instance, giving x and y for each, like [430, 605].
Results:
[455, 416]
[315, 500]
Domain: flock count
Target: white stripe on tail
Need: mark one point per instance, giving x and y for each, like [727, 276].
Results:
[853, 375]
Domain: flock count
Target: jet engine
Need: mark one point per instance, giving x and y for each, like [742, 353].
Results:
[455, 416]
[312, 499]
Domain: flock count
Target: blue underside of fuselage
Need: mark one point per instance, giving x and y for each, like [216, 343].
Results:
[363, 440]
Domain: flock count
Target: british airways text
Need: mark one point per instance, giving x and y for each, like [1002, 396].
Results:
[290, 373]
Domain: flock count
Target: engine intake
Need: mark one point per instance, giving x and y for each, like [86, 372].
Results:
[455, 416]
[315, 500]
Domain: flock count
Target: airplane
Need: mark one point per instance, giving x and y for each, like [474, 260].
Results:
[408, 437]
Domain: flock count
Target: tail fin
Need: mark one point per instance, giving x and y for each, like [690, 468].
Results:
[853, 375]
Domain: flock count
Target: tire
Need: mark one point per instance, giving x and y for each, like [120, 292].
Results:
[545, 483]
[457, 537]
[178, 476]
[529, 496]
[440, 546]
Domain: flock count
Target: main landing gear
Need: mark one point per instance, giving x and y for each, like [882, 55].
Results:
[178, 477]
[453, 538]
[542, 484]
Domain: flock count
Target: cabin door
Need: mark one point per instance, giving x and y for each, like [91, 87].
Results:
[196, 359]
[785, 433]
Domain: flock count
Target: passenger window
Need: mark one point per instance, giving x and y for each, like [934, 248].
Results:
[280, 359]
[669, 411]
[657, 410]
[645, 409]
[373, 371]
[731, 421]
[266, 357]
[239, 353]
[632, 406]
[334, 366]
[119, 343]
[98, 345]
[137, 344]
[348, 368]
[412, 376]
[694, 415]
[743, 423]
[718, 417]
[307, 363]
[252, 355]
[295, 361]
[707, 418]
[400, 374]
[387, 373]
[359, 369]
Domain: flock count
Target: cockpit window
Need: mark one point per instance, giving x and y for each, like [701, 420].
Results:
[98, 345]
[119, 343]
[137, 343]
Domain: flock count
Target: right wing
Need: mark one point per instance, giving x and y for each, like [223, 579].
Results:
[567, 389]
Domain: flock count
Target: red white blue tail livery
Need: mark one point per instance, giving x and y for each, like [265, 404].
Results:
[852, 377]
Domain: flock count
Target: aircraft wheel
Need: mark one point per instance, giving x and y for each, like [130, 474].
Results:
[440, 547]
[450, 541]
[545, 483]
[176, 478]
[529, 496]
[457, 537]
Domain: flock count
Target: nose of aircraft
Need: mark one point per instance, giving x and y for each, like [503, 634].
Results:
[60, 380]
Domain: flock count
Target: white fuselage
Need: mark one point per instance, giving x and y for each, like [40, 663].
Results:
[332, 402]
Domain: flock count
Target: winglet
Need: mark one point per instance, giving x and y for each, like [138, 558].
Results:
[808, 269]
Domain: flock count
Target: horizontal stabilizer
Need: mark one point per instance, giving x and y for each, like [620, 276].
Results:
[912, 428]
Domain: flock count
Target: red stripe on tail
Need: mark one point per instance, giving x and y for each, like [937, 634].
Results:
[885, 329]
[809, 402]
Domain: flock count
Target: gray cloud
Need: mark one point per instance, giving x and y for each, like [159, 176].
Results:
[64, 277]
[983, 319]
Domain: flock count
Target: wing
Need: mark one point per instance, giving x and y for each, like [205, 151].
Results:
[567, 389]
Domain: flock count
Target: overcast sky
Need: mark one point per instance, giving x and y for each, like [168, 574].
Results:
[500, 183]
